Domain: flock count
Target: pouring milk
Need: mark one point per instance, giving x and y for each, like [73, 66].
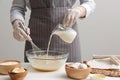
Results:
[66, 34]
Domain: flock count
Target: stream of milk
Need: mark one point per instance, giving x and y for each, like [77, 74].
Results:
[49, 44]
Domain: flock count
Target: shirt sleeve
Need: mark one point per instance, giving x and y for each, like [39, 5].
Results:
[89, 5]
[18, 10]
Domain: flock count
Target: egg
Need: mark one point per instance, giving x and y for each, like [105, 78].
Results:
[82, 66]
[79, 65]
[75, 65]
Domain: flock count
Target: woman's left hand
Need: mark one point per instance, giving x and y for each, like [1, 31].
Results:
[71, 16]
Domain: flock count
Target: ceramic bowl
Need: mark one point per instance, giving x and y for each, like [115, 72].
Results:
[43, 61]
[77, 73]
[6, 65]
[18, 76]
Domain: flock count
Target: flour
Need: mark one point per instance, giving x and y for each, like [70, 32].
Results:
[18, 70]
[8, 63]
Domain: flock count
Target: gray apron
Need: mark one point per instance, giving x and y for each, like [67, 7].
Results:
[45, 15]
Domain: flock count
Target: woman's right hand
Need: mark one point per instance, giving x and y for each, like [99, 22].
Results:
[18, 33]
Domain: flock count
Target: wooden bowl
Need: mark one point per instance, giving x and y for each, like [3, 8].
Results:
[18, 76]
[77, 73]
[6, 65]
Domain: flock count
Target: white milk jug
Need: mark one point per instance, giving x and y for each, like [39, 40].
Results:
[66, 34]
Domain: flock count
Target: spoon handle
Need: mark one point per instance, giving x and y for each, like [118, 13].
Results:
[34, 47]
[21, 25]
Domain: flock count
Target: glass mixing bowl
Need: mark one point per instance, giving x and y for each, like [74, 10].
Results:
[42, 61]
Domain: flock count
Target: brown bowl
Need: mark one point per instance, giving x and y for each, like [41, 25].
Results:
[4, 67]
[18, 76]
[77, 73]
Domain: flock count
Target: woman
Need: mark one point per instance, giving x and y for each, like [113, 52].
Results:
[45, 15]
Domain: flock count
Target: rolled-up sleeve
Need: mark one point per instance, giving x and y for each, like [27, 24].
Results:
[89, 5]
[18, 10]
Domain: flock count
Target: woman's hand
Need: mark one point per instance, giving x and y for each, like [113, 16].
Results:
[73, 15]
[20, 34]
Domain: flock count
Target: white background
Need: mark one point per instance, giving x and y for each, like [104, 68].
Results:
[99, 33]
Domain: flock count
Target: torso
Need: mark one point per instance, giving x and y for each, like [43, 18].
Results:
[45, 15]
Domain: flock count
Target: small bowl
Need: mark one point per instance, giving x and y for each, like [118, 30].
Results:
[97, 77]
[42, 61]
[17, 76]
[77, 73]
[6, 65]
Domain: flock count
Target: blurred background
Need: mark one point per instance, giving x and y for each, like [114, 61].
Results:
[99, 33]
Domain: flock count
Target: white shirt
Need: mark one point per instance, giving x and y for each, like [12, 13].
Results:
[19, 7]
